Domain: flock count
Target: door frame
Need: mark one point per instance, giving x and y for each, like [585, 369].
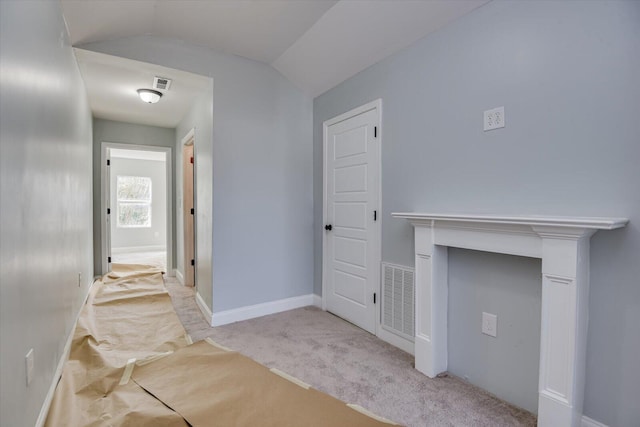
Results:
[190, 139]
[103, 198]
[377, 232]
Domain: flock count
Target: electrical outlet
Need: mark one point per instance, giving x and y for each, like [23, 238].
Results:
[494, 119]
[29, 363]
[490, 324]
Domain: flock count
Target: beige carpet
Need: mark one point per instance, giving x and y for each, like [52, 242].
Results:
[340, 359]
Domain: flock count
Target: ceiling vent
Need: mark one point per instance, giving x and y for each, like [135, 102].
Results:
[161, 83]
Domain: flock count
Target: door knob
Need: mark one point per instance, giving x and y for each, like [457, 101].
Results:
[328, 227]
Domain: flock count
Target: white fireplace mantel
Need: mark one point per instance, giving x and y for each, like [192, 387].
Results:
[563, 245]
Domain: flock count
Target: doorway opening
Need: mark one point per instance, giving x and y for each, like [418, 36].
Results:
[189, 208]
[137, 205]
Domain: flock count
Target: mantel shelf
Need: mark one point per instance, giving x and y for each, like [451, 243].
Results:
[530, 220]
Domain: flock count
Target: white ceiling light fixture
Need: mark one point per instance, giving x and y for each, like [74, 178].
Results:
[149, 95]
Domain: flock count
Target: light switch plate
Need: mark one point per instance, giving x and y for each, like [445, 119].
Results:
[489, 324]
[29, 364]
[494, 119]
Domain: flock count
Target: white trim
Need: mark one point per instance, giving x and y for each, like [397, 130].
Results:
[204, 308]
[530, 220]
[259, 310]
[169, 205]
[46, 405]
[131, 249]
[396, 340]
[377, 249]
[563, 245]
[190, 135]
[317, 300]
[178, 275]
[588, 422]
[377, 104]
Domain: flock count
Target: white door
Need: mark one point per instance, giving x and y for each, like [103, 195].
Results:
[352, 226]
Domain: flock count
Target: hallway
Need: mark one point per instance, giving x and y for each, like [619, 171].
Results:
[153, 258]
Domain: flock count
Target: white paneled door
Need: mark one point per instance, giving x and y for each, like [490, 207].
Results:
[352, 217]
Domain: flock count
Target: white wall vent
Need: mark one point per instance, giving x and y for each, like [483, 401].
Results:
[398, 292]
[161, 83]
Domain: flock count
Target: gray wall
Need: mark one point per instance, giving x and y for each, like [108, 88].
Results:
[123, 133]
[156, 234]
[509, 287]
[261, 163]
[199, 117]
[45, 201]
[567, 74]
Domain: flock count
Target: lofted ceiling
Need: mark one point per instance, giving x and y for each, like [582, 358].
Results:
[316, 44]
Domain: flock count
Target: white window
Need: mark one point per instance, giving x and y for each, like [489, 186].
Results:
[133, 201]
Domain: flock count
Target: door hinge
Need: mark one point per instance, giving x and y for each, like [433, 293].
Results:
[375, 131]
[193, 262]
[191, 160]
[108, 211]
[108, 162]
[192, 211]
[109, 259]
[374, 297]
[375, 215]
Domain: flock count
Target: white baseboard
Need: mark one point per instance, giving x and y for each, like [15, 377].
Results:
[588, 422]
[259, 310]
[131, 249]
[317, 300]
[44, 409]
[179, 276]
[206, 312]
[396, 340]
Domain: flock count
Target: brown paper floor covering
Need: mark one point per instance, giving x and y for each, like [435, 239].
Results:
[211, 386]
[132, 364]
[128, 314]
